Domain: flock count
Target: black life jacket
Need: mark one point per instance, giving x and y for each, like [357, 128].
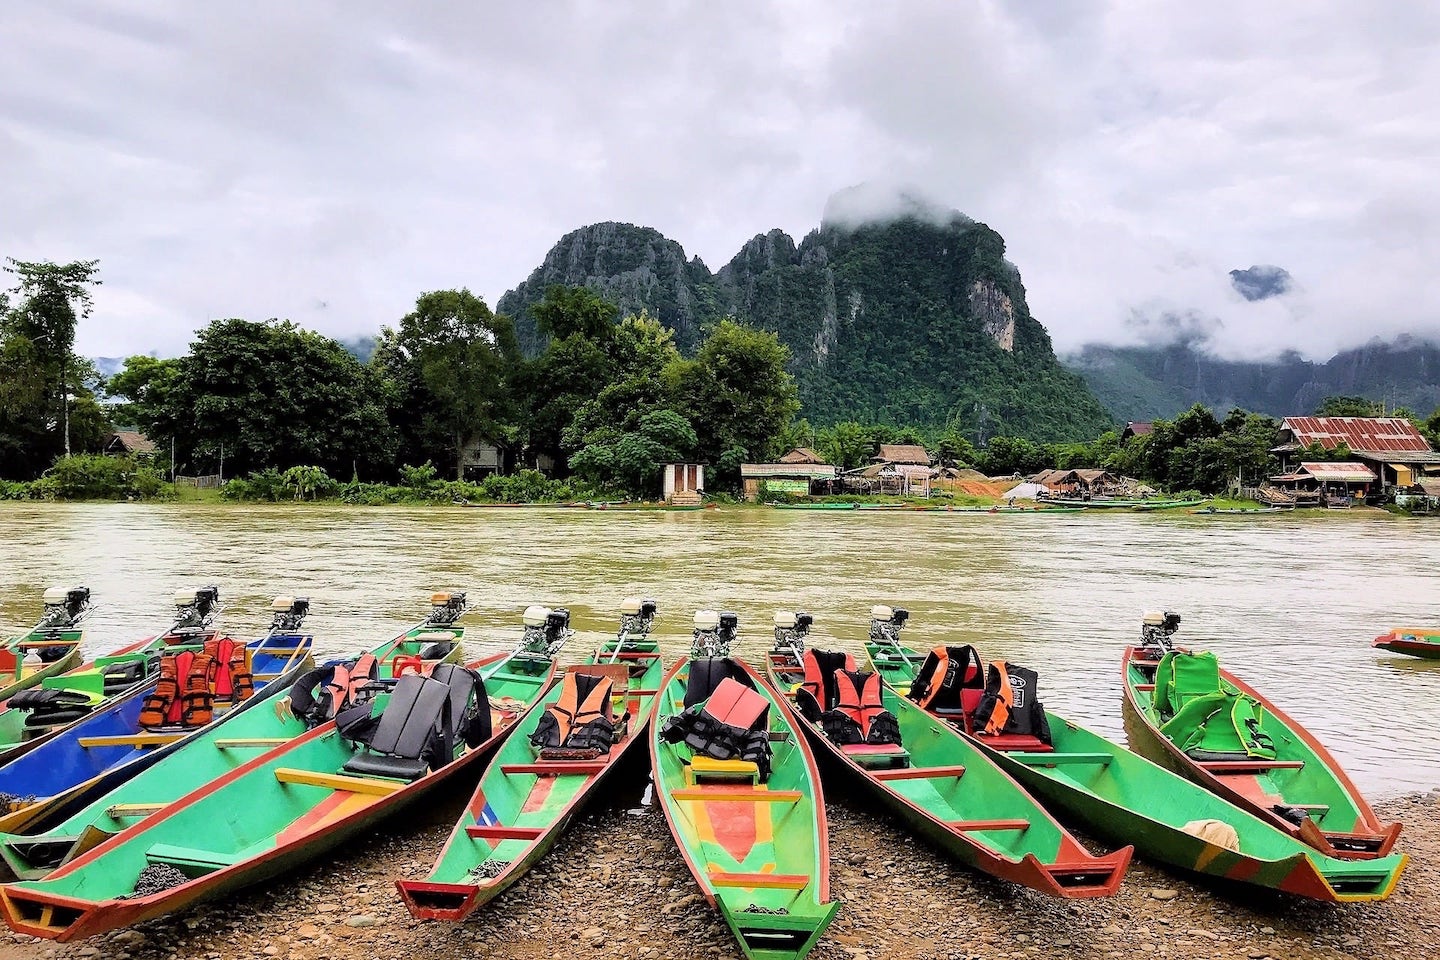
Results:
[950, 682]
[580, 719]
[322, 693]
[817, 693]
[51, 708]
[732, 724]
[1011, 704]
[859, 715]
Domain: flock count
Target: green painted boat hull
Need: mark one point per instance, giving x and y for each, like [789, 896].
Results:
[965, 789]
[1304, 775]
[814, 506]
[67, 832]
[281, 809]
[533, 807]
[23, 673]
[784, 839]
[1121, 797]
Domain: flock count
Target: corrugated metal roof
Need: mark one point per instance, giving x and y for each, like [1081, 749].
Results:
[1370, 434]
[1340, 472]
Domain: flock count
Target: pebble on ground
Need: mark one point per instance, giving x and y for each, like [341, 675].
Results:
[615, 887]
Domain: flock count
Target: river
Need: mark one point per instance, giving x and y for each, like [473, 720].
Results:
[1289, 604]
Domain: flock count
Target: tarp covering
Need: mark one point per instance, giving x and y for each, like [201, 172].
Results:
[1024, 491]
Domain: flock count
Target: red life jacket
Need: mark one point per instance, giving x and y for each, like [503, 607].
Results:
[233, 679]
[344, 685]
[819, 684]
[859, 697]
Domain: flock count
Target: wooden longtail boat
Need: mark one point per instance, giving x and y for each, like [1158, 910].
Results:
[1124, 798]
[100, 682]
[1121, 797]
[1000, 509]
[1125, 504]
[1414, 643]
[759, 851]
[109, 746]
[956, 796]
[282, 809]
[54, 642]
[69, 830]
[525, 799]
[813, 506]
[1301, 789]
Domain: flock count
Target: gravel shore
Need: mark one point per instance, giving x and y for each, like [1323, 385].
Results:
[615, 887]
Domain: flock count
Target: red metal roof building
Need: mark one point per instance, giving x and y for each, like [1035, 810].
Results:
[1390, 446]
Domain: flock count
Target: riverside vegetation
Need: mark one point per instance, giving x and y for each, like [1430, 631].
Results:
[605, 400]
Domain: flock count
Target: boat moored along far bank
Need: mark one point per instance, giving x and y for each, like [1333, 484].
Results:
[203, 679]
[740, 791]
[297, 800]
[69, 830]
[1123, 798]
[557, 758]
[1208, 725]
[1413, 642]
[945, 787]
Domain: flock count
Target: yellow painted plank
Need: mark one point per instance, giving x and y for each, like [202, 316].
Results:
[335, 781]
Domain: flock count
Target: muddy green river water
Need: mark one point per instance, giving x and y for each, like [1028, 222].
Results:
[1290, 604]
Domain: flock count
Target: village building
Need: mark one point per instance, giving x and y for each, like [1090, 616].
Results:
[1327, 484]
[1137, 428]
[684, 483]
[1390, 447]
[1078, 483]
[901, 469]
[130, 442]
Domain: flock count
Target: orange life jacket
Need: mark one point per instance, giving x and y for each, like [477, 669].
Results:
[571, 712]
[183, 694]
[345, 683]
[859, 697]
[1004, 698]
[233, 679]
[197, 691]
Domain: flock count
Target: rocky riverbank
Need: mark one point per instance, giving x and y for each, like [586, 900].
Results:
[615, 887]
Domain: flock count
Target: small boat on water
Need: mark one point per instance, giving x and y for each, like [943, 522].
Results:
[945, 787]
[68, 830]
[557, 758]
[1122, 798]
[815, 506]
[1239, 511]
[295, 801]
[1004, 509]
[1210, 726]
[49, 648]
[740, 791]
[1124, 504]
[1411, 642]
[203, 678]
[641, 506]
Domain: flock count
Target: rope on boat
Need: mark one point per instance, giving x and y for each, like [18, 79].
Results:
[773, 911]
[488, 870]
[156, 878]
[11, 802]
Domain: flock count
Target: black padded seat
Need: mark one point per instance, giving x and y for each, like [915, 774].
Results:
[417, 711]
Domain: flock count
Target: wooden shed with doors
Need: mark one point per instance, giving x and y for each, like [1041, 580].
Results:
[684, 483]
[794, 479]
[1328, 484]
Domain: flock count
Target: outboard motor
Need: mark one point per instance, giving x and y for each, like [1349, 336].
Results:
[791, 629]
[446, 607]
[714, 633]
[546, 630]
[886, 624]
[1156, 630]
[195, 611]
[64, 608]
[636, 618]
[288, 614]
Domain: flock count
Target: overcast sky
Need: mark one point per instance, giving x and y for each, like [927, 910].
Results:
[329, 161]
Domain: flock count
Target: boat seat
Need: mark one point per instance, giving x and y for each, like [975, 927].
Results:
[189, 857]
[708, 768]
[1023, 742]
[407, 725]
[882, 755]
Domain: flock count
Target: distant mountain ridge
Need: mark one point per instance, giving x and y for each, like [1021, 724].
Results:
[1143, 383]
[915, 320]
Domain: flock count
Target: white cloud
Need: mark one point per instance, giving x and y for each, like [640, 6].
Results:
[328, 162]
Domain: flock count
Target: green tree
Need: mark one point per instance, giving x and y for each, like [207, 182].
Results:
[462, 358]
[272, 395]
[738, 396]
[1347, 407]
[577, 363]
[43, 384]
[632, 458]
[574, 311]
[144, 384]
